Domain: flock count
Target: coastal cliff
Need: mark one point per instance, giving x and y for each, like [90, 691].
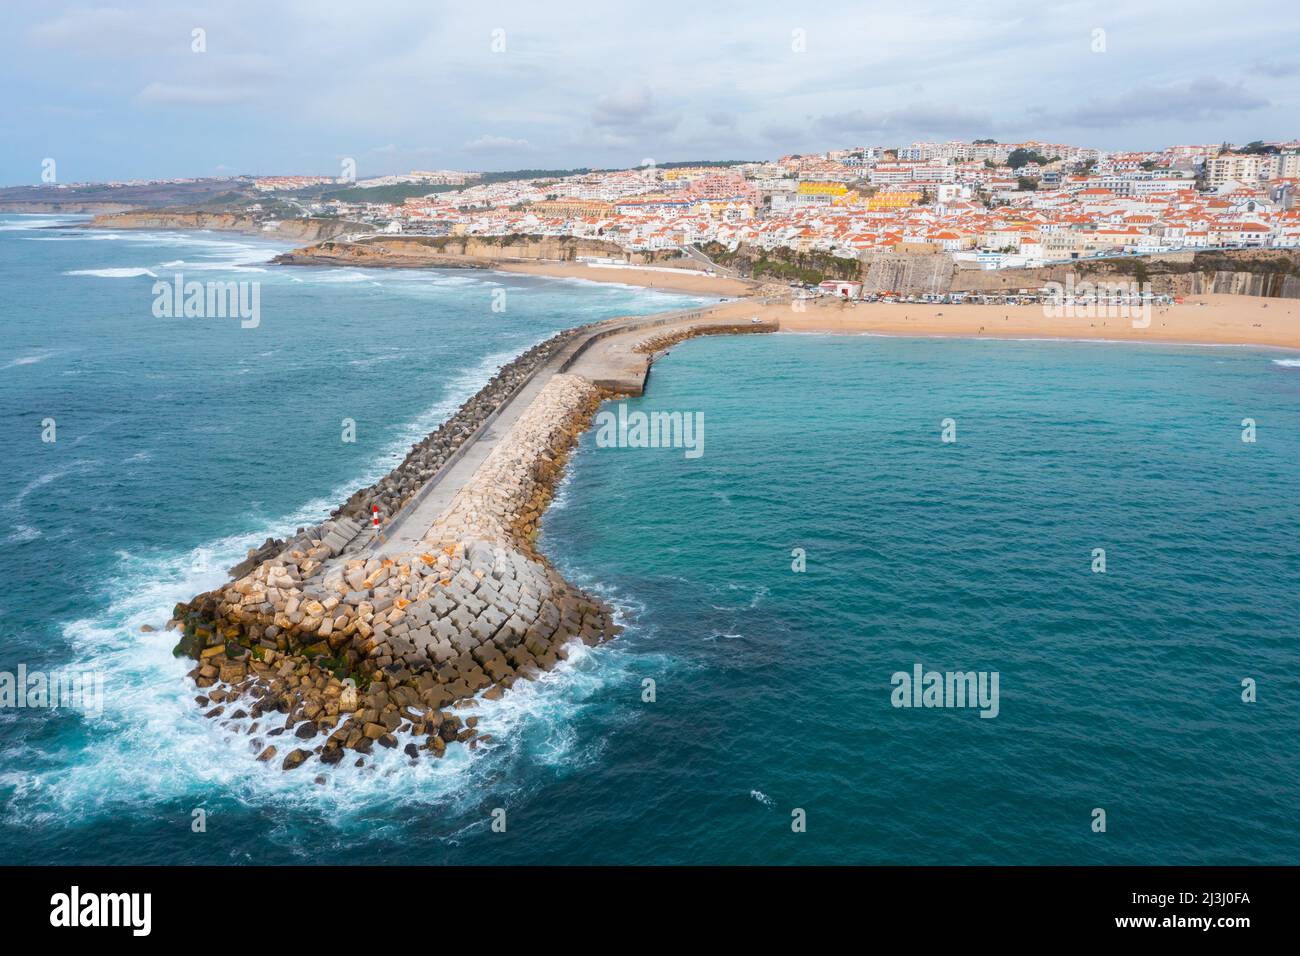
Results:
[70, 208]
[1266, 273]
[308, 230]
[470, 252]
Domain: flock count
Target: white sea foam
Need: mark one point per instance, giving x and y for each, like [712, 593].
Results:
[338, 278]
[31, 359]
[151, 743]
[38, 482]
[763, 798]
[33, 221]
[597, 283]
[1287, 363]
[389, 356]
[78, 237]
[436, 279]
[561, 496]
[536, 719]
[123, 273]
[185, 265]
[756, 596]
[212, 251]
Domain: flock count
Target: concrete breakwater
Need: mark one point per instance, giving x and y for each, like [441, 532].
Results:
[344, 641]
[422, 462]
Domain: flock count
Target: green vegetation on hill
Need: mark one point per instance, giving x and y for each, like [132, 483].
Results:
[1264, 260]
[396, 193]
[786, 272]
[1261, 261]
[784, 264]
[704, 162]
[227, 199]
[1258, 147]
[148, 195]
[508, 174]
[1022, 157]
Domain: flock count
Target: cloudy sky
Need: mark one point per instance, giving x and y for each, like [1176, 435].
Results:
[297, 86]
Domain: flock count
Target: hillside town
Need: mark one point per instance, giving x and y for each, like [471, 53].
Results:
[987, 205]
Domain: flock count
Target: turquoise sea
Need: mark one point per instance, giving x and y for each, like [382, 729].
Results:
[182, 442]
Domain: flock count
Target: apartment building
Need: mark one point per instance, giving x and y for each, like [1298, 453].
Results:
[1234, 167]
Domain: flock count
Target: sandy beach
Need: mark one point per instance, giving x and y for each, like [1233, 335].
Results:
[1205, 319]
[1201, 320]
[671, 280]
[1211, 319]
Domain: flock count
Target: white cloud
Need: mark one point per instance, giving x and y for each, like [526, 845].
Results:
[1201, 99]
[907, 121]
[632, 111]
[301, 82]
[497, 144]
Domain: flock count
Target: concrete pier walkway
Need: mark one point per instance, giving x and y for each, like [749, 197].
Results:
[607, 356]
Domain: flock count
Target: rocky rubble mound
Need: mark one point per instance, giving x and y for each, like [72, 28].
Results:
[424, 459]
[367, 649]
[662, 340]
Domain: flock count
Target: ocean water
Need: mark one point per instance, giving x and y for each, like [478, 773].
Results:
[183, 442]
[180, 443]
[1118, 690]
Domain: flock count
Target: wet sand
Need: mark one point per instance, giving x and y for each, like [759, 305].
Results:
[674, 280]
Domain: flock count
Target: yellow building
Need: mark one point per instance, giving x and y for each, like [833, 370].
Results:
[688, 172]
[835, 190]
[893, 200]
[570, 208]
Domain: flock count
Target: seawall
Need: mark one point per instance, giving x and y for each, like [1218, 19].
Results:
[344, 638]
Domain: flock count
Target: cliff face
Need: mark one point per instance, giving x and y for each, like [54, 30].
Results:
[506, 247]
[76, 208]
[1230, 283]
[480, 252]
[310, 230]
[1268, 273]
